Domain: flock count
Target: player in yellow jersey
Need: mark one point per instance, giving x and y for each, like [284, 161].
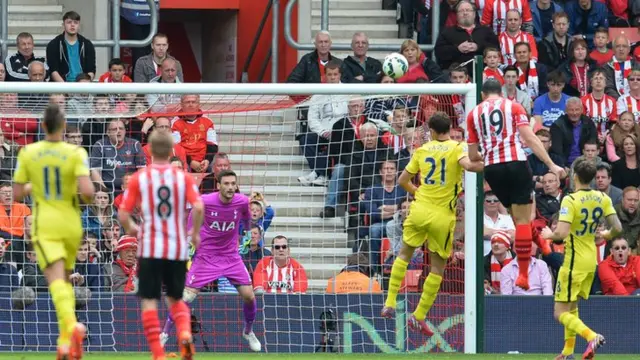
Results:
[432, 215]
[52, 171]
[580, 213]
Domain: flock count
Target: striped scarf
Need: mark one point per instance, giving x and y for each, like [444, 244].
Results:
[622, 84]
[489, 73]
[530, 83]
[495, 267]
[580, 74]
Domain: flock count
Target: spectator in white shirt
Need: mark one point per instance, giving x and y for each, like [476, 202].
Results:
[494, 220]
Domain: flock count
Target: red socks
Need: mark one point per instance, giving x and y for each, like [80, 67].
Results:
[523, 253]
[151, 325]
[543, 244]
[182, 317]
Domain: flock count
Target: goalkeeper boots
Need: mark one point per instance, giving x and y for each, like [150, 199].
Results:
[63, 353]
[77, 341]
[187, 349]
[592, 346]
[164, 337]
[252, 339]
[388, 312]
[419, 325]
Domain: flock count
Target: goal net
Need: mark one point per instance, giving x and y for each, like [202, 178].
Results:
[317, 161]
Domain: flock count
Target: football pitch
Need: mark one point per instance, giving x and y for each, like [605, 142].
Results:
[318, 356]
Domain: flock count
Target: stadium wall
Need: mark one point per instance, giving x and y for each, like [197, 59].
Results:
[292, 324]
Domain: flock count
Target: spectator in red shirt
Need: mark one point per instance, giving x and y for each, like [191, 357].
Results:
[196, 133]
[163, 124]
[601, 52]
[116, 73]
[125, 181]
[279, 273]
[20, 131]
[618, 272]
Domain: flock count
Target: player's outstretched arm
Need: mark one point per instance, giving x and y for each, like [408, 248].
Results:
[558, 236]
[474, 153]
[20, 191]
[405, 182]
[86, 188]
[473, 166]
[538, 149]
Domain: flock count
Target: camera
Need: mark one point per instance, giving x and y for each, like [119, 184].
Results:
[329, 329]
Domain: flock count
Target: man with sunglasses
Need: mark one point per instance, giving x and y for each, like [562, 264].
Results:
[618, 272]
[279, 273]
[580, 214]
[631, 101]
[494, 221]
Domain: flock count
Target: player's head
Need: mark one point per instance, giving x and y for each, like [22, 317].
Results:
[227, 184]
[491, 87]
[53, 120]
[439, 124]
[161, 144]
[584, 171]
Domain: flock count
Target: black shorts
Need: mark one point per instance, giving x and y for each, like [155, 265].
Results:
[511, 182]
[153, 273]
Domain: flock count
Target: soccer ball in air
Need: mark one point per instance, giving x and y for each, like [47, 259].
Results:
[395, 65]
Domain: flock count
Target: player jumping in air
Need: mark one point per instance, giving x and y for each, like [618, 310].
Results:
[53, 171]
[162, 192]
[580, 213]
[218, 255]
[432, 215]
[497, 124]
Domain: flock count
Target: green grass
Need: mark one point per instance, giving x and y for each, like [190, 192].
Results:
[238, 356]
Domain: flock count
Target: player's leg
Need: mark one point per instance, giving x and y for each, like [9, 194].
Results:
[188, 296]
[570, 335]
[79, 331]
[150, 291]
[174, 279]
[562, 313]
[249, 309]
[523, 242]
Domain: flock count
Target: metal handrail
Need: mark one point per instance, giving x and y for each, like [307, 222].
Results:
[288, 36]
[115, 43]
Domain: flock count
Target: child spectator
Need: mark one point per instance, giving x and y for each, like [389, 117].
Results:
[261, 213]
[492, 61]
[116, 73]
[601, 53]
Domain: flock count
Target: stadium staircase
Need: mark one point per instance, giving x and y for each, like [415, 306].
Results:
[349, 16]
[266, 156]
[41, 18]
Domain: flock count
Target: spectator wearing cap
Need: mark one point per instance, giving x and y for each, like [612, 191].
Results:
[70, 53]
[629, 216]
[495, 221]
[17, 65]
[123, 272]
[360, 68]
[354, 278]
[255, 251]
[499, 257]
[549, 199]
[310, 68]
[603, 183]
[152, 65]
[619, 272]
[9, 279]
[540, 282]
[280, 273]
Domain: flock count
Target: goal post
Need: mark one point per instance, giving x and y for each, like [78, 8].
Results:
[249, 145]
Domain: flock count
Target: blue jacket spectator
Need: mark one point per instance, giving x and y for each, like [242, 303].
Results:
[542, 17]
[9, 279]
[377, 196]
[586, 21]
[91, 224]
[91, 274]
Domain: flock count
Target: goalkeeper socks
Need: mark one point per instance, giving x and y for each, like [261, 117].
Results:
[523, 253]
[398, 271]
[573, 323]
[63, 300]
[168, 325]
[249, 309]
[182, 316]
[151, 325]
[570, 338]
[543, 244]
[429, 292]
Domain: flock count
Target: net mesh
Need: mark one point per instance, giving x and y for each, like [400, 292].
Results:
[286, 151]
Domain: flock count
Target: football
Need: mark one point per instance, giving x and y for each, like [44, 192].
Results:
[395, 65]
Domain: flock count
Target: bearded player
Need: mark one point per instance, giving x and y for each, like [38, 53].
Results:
[53, 171]
[432, 215]
[580, 214]
[496, 125]
[218, 254]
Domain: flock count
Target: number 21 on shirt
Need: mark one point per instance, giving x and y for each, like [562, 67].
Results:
[428, 180]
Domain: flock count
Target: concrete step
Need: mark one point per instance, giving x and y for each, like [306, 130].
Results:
[322, 271]
[35, 12]
[269, 177]
[284, 147]
[236, 119]
[291, 192]
[309, 239]
[353, 17]
[297, 209]
[35, 26]
[308, 222]
[317, 285]
[348, 5]
[258, 162]
[372, 30]
[308, 252]
[34, 2]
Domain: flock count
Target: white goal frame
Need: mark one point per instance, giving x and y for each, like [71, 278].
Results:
[467, 90]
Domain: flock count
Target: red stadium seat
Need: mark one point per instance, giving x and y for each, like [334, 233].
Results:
[632, 33]
[411, 282]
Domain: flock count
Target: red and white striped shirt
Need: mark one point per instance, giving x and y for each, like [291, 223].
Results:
[494, 125]
[602, 111]
[162, 193]
[290, 278]
[494, 13]
[629, 103]
[508, 42]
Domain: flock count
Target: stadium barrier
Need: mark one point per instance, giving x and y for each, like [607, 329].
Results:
[292, 323]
